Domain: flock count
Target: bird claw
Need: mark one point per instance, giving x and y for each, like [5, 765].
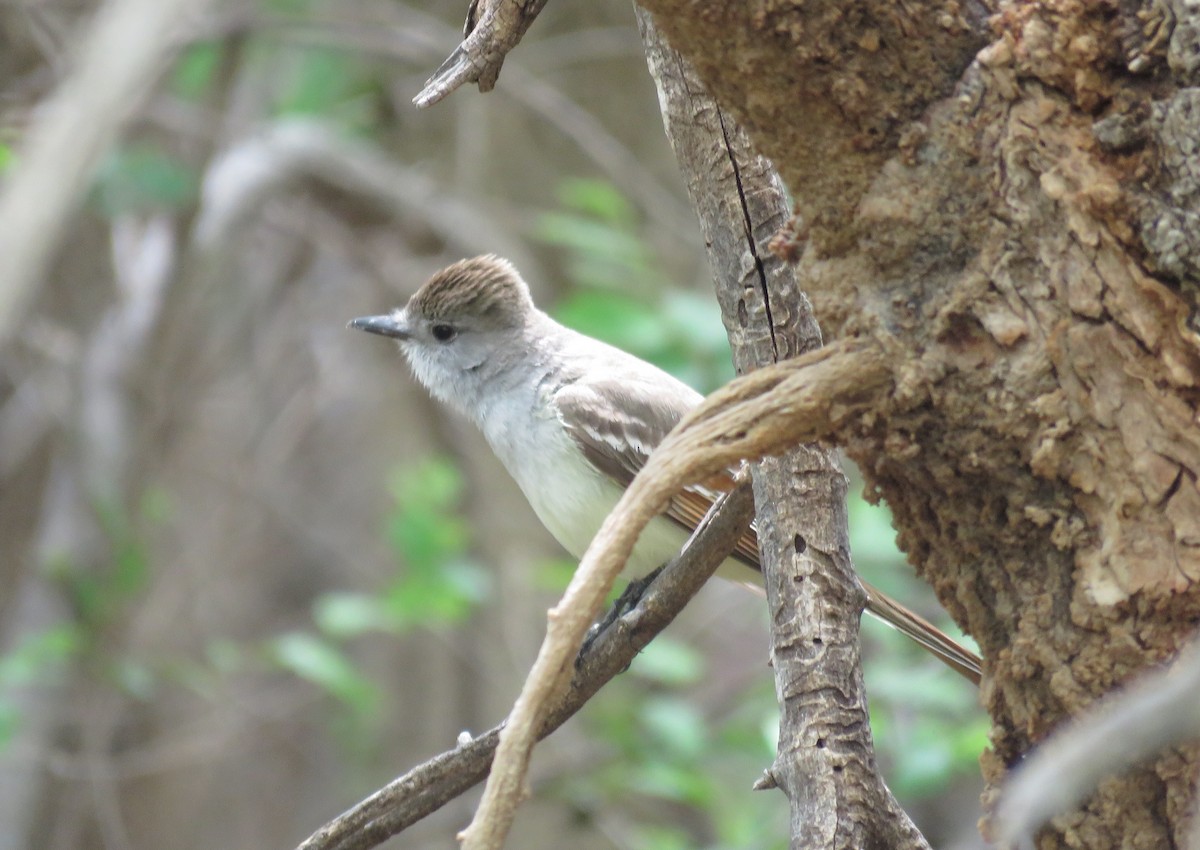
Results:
[629, 600]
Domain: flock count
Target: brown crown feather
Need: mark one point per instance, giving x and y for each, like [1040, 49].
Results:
[487, 287]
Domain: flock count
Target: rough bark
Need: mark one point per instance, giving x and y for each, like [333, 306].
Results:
[1020, 228]
[826, 763]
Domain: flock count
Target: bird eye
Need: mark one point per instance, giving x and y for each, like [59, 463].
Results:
[444, 333]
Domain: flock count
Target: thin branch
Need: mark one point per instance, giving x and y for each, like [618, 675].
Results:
[1160, 709]
[246, 174]
[479, 57]
[427, 787]
[122, 55]
[809, 398]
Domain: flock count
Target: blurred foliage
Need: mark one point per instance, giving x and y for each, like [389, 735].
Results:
[333, 86]
[195, 71]
[438, 582]
[100, 595]
[667, 764]
[37, 661]
[141, 178]
[323, 663]
[436, 586]
[619, 293]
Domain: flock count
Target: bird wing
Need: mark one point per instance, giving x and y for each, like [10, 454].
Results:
[616, 425]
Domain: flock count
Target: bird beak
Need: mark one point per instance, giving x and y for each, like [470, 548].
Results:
[388, 325]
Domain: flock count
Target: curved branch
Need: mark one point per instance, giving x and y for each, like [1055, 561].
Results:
[253, 169]
[427, 787]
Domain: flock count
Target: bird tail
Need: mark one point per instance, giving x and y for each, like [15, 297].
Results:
[930, 637]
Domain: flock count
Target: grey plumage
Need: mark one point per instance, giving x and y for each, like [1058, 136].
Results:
[574, 419]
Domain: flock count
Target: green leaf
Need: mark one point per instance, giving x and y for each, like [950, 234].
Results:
[196, 69]
[696, 319]
[424, 530]
[445, 595]
[423, 540]
[597, 198]
[347, 615]
[657, 837]
[133, 677]
[155, 506]
[669, 662]
[39, 655]
[467, 579]
[614, 318]
[872, 537]
[927, 763]
[140, 179]
[671, 781]
[675, 724]
[318, 661]
[601, 255]
[10, 723]
[289, 7]
[330, 84]
[553, 574]
[435, 484]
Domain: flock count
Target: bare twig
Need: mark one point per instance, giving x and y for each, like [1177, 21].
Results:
[428, 786]
[1160, 709]
[122, 55]
[805, 399]
[478, 58]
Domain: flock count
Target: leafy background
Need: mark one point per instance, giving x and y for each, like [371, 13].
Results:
[248, 571]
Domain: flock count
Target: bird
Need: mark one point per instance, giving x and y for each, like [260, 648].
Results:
[573, 419]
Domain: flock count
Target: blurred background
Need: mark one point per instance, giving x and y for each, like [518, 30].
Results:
[249, 572]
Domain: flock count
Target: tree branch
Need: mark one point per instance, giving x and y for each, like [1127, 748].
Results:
[251, 170]
[429, 786]
[826, 764]
[478, 58]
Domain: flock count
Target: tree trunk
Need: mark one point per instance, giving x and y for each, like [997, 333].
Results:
[826, 764]
[1019, 229]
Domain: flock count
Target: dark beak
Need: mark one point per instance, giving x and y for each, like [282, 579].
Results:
[382, 325]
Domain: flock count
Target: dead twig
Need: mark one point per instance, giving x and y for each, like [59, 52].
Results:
[478, 58]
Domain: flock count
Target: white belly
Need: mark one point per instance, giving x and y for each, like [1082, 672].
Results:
[572, 499]
[576, 516]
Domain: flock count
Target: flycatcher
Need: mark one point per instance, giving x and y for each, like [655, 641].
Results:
[573, 419]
